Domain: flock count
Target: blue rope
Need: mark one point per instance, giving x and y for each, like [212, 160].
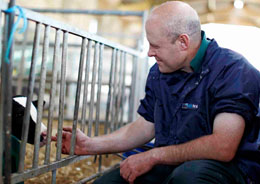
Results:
[10, 39]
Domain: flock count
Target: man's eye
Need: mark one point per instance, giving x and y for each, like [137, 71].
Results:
[155, 46]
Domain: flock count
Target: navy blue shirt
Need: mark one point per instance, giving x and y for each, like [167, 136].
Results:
[183, 105]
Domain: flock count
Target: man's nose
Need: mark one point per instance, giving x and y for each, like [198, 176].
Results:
[151, 53]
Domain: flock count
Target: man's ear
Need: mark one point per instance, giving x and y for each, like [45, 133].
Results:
[184, 41]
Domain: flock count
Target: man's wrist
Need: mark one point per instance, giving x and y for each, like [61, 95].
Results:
[90, 147]
[94, 146]
[155, 156]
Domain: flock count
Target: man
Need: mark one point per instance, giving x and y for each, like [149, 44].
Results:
[200, 105]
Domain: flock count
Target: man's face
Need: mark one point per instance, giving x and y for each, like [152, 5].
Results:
[163, 48]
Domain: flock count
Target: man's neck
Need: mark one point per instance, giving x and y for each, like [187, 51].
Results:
[192, 53]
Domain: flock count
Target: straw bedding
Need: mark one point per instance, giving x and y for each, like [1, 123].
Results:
[68, 174]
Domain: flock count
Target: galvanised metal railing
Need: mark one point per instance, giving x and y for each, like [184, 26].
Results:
[108, 77]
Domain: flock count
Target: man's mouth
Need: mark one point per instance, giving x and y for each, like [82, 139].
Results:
[158, 61]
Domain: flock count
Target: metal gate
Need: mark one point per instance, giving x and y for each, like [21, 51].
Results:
[103, 93]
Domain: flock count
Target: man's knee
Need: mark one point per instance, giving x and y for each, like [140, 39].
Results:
[197, 171]
[186, 172]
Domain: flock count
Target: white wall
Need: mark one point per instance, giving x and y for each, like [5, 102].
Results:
[242, 39]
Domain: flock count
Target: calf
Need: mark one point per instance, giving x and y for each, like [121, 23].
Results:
[18, 110]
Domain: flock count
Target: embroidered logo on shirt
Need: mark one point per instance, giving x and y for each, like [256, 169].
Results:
[189, 106]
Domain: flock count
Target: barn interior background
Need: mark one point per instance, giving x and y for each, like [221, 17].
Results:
[87, 61]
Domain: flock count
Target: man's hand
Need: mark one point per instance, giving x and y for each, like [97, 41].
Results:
[44, 141]
[135, 166]
[81, 141]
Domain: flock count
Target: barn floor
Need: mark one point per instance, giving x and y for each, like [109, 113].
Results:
[69, 174]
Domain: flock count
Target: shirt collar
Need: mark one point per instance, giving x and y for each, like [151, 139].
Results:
[197, 60]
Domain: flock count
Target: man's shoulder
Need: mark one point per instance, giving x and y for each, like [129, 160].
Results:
[216, 52]
[219, 57]
[224, 63]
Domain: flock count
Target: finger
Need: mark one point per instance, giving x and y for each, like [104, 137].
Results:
[64, 150]
[125, 173]
[68, 129]
[122, 168]
[65, 134]
[79, 131]
[131, 178]
[53, 138]
[124, 165]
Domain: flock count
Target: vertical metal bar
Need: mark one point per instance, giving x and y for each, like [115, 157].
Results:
[85, 93]
[107, 123]
[62, 93]
[93, 83]
[118, 102]
[100, 67]
[2, 141]
[53, 177]
[7, 96]
[1, 100]
[123, 91]
[144, 18]
[4, 79]
[114, 96]
[132, 92]
[56, 59]
[77, 100]
[1, 133]
[26, 119]
[143, 68]
[1, 37]
[22, 63]
[99, 163]
[45, 53]
[135, 94]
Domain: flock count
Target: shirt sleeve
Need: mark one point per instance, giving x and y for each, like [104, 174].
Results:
[146, 107]
[236, 90]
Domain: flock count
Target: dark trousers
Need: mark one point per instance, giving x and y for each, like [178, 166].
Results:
[192, 172]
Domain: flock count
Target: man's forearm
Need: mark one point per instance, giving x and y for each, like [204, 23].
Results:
[126, 138]
[201, 148]
[221, 145]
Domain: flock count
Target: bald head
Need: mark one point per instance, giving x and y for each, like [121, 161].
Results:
[175, 18]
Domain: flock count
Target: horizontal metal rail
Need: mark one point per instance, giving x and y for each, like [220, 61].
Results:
[92, 12]
[73, 30]
[98, 174]
[17, 177]
[68, 81]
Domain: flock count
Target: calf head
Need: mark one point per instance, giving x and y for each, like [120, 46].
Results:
[18, 111]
